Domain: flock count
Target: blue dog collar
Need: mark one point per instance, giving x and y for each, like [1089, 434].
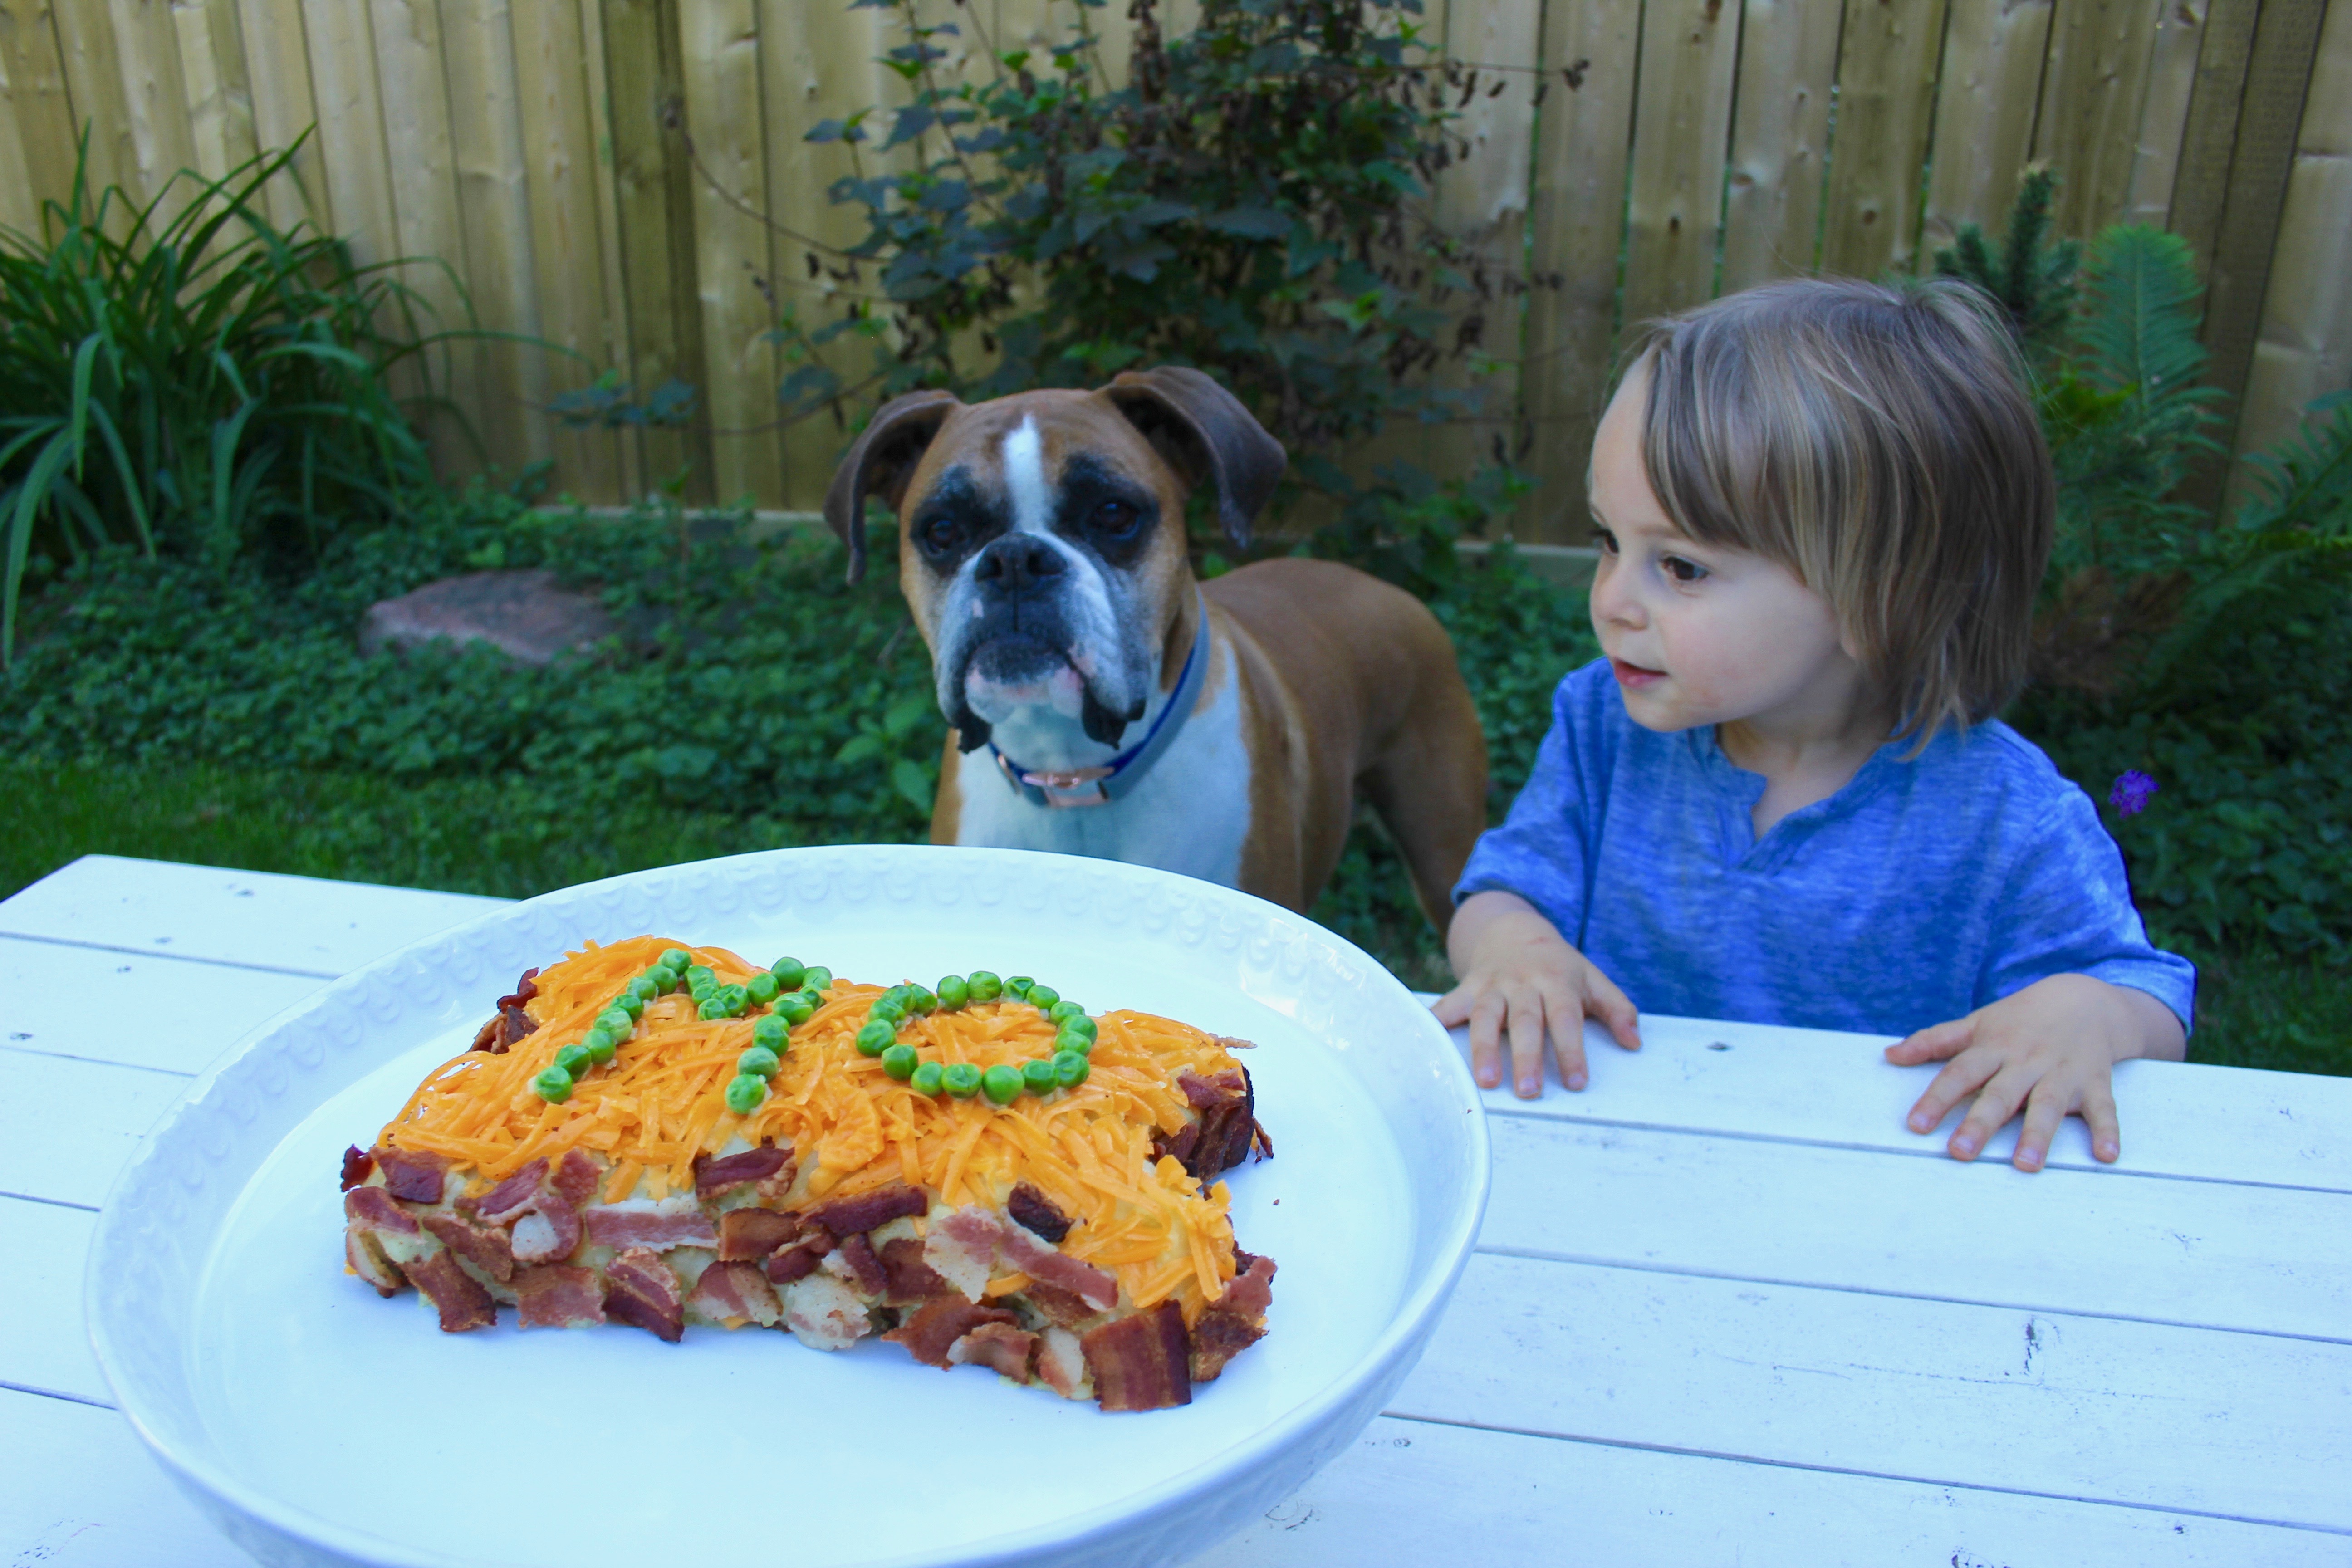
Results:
[1116, 777]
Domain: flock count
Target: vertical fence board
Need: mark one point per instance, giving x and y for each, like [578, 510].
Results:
[85, 34]
[812, 75]
[2278, 69]
[19, 205]
[567, 275]
[493, 185]
[1577, 223]
[38, 109]
[2306, 345]
[1681, 136]
[628, 451]
[1779, 135]
[657, 229]
[278, 76]
[147, 52]
[1886, 94]
[1986, 104]
[2095, 87]
[2201, 184]
[2164, 117]
[350, 142]
[212, 69]
[721, 50]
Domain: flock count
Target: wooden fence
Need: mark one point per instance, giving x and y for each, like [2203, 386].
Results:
[1681, 148]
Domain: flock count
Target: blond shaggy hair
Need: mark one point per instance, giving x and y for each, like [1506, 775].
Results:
[1878, 441]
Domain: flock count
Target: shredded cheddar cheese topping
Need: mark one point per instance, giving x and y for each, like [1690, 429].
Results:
[661, 1101]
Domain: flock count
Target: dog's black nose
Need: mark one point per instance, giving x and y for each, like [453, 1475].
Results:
[1016, 561]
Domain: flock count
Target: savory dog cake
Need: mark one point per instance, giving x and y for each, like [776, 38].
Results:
[660, 1135]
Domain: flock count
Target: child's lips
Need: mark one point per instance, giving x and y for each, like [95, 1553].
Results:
[1634, 675]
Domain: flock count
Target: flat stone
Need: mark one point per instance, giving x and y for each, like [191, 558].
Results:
[522, 614]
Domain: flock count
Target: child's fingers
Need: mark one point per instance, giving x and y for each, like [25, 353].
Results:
[1564, 1017]
[2099, 1115]
[1933, 1044]
[1485, 1045]
[1961, 1076]
[1999, 1101]
[1452, 1009]
[2045, 1108]
[1615, 1010]
[1526, 1031]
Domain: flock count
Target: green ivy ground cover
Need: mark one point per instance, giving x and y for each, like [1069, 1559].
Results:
[170, 710]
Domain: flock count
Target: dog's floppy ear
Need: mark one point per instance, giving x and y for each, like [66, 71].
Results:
[1203, 432]
[880, 464]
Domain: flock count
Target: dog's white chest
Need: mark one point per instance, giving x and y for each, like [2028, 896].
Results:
[1190, 814]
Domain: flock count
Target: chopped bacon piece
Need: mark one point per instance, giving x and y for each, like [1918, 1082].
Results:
[525, 989]
[485, 1246]
[856, 1257]
[799, 1260]
[365, 1254]
[998, 1346]
[357, 1164]
[1251, 1291]
[908, 1278]
[1142, 1362]
[934, 1328]
[1228, 1127]
[848, 1217]
[1023, 1251]
[1208, 1093]
[749, 1235]
[457, 1295]
[546, 1231]
[736, 1291]
[1178, 1145]
[558, 1297]
[408, 1173]
[575, 1178]
[1061, 1363]
[513, 1025]
[824, 1314]
[485, 1038]
[640, 1289]
[1064, 1307]
[1035, 1210]
[752, 1165]
[961, 1249]
[659, 1229]
[373, 1206]
[504, 1201]
[1217, 1338]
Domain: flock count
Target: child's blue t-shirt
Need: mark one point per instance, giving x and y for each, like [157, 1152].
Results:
[1919, 892]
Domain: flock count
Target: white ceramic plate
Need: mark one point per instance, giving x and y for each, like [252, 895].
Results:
[317, 1423]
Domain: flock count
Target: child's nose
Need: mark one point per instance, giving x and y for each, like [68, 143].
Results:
[1612, 604]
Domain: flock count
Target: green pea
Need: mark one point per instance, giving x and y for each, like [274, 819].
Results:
[1081, 1025]
[664, 977]
[770, 1032]
[963, 1079]
[795, 1007]
[738, 999]
[644, 988]
[954, 992]
[627, 1003]
[1063, 1010]
[762, 986]
[1017, 987]
[1001, 1083]
[928, 1077]
[1043, 996]
[600, 1046]
[900, 1061]
[553, 1084]
[759, 1061]
[886, 1007]
[920, 1000]
[710, 1007]
[616, 1023]
[817, 978]
[575, 1060]
[678, 959]
[696, 972]
[982, 986]
[1070, 1039]
[1038, 1072]
[744, 1093]
[876, 1037]
[1070, 1069]
[702, 990]
[788, 973]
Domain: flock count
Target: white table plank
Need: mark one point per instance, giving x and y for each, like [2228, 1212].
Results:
[297, 925]
[67, 1127]
[2245, 1427]
[79, 1491]
[2269, 1259]
[167, 1012]
[2180, 1119]
[1410, 1491]
[43, 1343]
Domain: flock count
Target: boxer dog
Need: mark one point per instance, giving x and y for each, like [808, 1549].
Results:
[1104, 703]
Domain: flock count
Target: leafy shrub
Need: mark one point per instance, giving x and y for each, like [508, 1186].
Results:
[201, 385]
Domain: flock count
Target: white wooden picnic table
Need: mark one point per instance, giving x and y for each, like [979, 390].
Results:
[1724, 1308]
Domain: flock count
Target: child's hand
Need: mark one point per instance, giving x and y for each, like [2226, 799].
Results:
[2051, 1048]
[1518, 972]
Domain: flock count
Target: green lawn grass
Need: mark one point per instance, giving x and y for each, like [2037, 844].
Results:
[2255, 1009]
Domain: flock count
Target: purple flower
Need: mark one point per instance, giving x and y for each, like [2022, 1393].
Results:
[2130, 795]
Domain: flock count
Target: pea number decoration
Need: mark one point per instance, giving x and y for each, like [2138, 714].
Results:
[790, 993]
[1067, 1067]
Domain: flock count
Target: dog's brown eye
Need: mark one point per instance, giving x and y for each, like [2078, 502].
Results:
[1115, 517]
[939, 535]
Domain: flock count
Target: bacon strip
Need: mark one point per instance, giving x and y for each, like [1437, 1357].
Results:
[749, 1235]
[374, 1207]
[1222, 1139]
[799, 1260]
[1023, 1251]
[997, 1346]
[504, 1203]
[546, 1231]
[576, 1178]
[865, 1271]
[906, 1278]
[1142, 1362]
[408, 1173]
[736, 1290]
[357, 1164]
[640, 1289]
[939, 1322]
[752, 1165]
[650, 1229]
[1035, 1210]
[559, 1298]
[456, 1294]
[366, 1256]
[848, 1217]
[486, 1248]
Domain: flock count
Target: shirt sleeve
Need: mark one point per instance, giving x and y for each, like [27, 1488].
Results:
[2068, 911]
[1539, 851]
